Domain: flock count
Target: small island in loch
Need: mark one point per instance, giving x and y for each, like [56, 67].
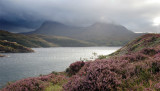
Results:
[134, 67]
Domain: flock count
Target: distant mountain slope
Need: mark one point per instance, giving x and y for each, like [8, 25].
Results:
[13, 47]
[63, 41]
[42, 40]
[99, 33]
[24, 40]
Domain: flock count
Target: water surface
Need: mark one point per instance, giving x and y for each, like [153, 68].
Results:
[45, 60]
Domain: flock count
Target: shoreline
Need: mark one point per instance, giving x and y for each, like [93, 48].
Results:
[2, 55]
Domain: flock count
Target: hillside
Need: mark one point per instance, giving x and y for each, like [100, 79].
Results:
[103, 34]
[24, 40]
[42, 40]
[145, 41]
[13, 47]
[135, 67]
[63, 41]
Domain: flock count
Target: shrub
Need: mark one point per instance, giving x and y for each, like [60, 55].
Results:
[134, 57]
[149, 51]
[99, 75]
[36, 83]
[29, 84]
[75, 67]
[102, 57]
[157, 86]
[155, 67]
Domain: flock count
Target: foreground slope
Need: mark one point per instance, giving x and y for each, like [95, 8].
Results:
[145, 41]
[135, 67]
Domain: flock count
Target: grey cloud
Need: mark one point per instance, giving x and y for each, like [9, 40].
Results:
[136, 15]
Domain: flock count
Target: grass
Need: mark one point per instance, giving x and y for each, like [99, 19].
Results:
[54, 88]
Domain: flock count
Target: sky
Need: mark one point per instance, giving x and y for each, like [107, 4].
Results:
[136, 15]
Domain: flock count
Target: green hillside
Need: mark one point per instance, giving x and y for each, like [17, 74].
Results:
[13, 47]
[24, 40]
[63, 41]
[145, 41]
[42, 40]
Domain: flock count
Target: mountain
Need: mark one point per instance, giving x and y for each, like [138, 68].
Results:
[99, 33]
[42, 40]
[13, 47]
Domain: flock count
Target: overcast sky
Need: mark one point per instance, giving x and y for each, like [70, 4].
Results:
[136, 15]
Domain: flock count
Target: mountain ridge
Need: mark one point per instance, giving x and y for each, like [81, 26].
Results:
[103, 34]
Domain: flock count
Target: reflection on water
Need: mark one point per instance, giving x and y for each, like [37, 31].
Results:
[45, 60]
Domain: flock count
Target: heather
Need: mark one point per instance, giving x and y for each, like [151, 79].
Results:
[127, 72]
[75, 67]
[40, 83]
[146, 41]
[135, 66]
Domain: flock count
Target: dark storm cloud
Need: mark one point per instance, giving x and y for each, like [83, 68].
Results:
[137, 15]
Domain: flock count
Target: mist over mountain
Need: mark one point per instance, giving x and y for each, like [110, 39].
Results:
[100, 33]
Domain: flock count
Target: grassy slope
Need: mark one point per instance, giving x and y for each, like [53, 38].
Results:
[13, 47]
[145, 41]
[64, 41]
[42, 40]
[24, 40]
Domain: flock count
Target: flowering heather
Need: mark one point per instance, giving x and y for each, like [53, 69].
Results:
[145, 41]
[136, 66]
[98, 75]
[29, 84]
[157, 86]
[149, 51]
[134, 57]
[75, 67]
[36, 83]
